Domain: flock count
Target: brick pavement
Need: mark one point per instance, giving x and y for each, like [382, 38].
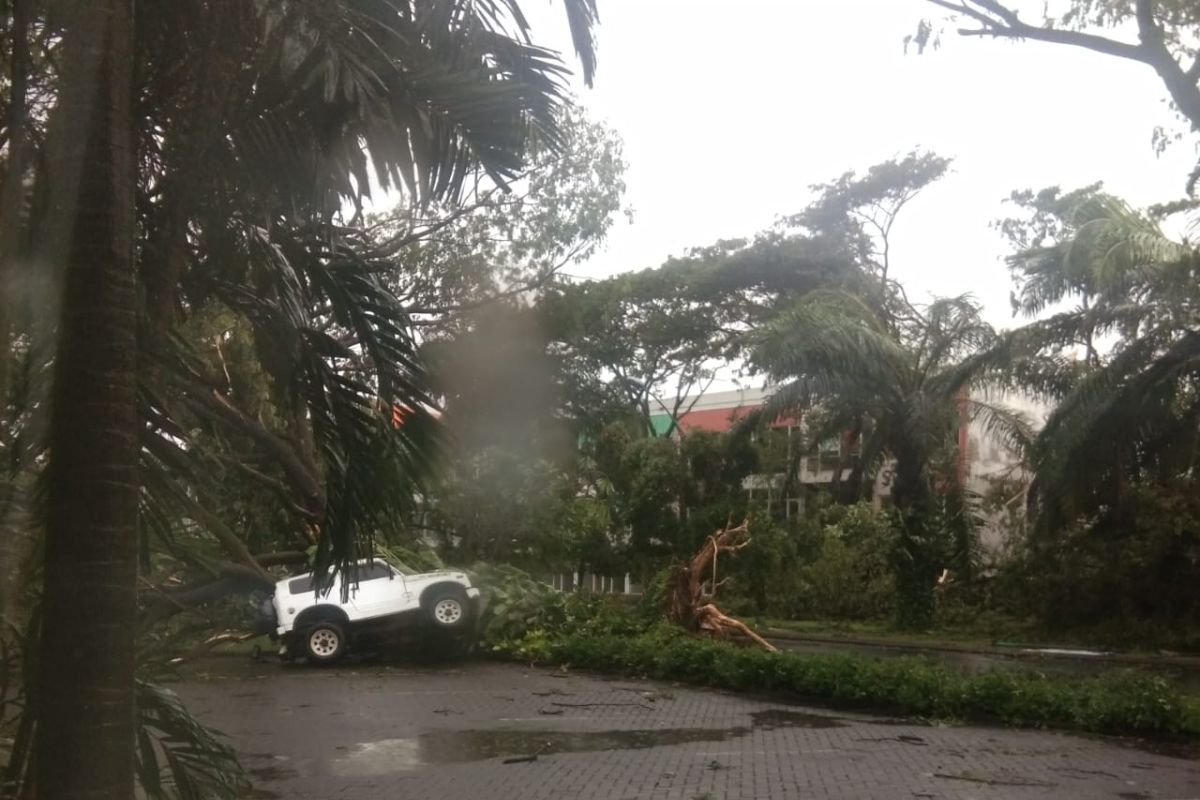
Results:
[402, 732]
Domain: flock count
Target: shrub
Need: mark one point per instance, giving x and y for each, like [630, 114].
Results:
[1118, 702]
[514, 606]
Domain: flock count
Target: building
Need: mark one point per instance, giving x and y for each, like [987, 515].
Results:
[721, 411]
[982, 457]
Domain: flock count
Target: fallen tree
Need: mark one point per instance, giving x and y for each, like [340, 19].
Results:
[161, 602]
[689, 606]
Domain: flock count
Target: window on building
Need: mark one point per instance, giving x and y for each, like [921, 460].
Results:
[794, 508]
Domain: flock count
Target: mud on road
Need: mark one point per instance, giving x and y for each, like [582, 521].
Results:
[481, 730]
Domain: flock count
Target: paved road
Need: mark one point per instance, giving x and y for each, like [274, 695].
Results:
[406, 732]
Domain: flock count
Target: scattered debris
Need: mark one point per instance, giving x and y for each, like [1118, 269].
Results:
[600, 705]
[1079, 772]
[648, 695]
[445, 712]
[551, 712]
[903, 738]
[526, 759]
[997, 780]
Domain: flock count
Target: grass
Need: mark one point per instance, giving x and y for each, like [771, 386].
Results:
[1117, 702]
[965, 636]
[983, 633]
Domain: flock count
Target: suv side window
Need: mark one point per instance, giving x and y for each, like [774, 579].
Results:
[301, 585]
[374, 571]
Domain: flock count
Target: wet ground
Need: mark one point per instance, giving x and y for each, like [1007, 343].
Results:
[481, 730]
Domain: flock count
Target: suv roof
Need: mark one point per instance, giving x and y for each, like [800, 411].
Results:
[304, 583]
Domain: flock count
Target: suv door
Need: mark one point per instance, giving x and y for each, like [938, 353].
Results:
[380, 591]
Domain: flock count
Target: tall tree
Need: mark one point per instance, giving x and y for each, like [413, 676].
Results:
[254, 126]
[1160, 34]
[642, 339]
[85, 734]
[906, 389]
[648, 343]
[507, 243]
[860, 211]
[1121, 363]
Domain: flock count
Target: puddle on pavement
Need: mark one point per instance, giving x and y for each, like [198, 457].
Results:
[454, 747]
[775, 718]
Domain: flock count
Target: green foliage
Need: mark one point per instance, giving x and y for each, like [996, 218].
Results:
[520, 613]
[177, 757]
[410, 560]
[494, 244]
[902, 387]
[1122, 582]
[850, 578]
[514, 605]
[501, 505]
[643, 328]
[1127, 411]
[860, 210]
[1117, 702]
[831, 565]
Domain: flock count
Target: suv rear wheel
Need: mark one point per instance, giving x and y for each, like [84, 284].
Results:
[324, 642]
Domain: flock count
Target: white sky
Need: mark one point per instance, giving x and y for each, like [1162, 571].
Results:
[730, 110]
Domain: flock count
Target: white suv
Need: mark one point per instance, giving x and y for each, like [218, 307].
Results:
[382, 602]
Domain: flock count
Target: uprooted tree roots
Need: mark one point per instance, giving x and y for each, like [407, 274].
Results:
[689, 606]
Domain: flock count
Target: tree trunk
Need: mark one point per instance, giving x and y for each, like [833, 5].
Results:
[914, 556]
[687, 604]
[84, 747]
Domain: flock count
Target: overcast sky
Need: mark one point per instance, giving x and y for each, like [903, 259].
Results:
[730, 110]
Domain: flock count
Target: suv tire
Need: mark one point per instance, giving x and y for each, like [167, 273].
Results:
[324, 642]
[447, 609]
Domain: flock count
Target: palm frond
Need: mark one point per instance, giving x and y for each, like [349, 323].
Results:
[178, 758]
[582, 17]
[1008, 426]
[832, 337]
[431, 91]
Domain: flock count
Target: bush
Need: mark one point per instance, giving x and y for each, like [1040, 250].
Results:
[847, 575]
[1120, 580]
[515, 606]
[1122, 701]
[520, 613]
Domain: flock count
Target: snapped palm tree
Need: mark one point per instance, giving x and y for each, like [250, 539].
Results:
[904, 388]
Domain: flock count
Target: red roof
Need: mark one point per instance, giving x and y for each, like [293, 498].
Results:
[719, 420]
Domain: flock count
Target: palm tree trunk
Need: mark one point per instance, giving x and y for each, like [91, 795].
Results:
[913, 558]
[84, 747]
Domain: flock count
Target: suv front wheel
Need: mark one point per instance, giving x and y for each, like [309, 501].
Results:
[447, 609]
[325, 642]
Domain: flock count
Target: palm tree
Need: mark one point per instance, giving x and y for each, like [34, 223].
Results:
[254, 126]
[1127, 411]
[903, 388]
[85, 731]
